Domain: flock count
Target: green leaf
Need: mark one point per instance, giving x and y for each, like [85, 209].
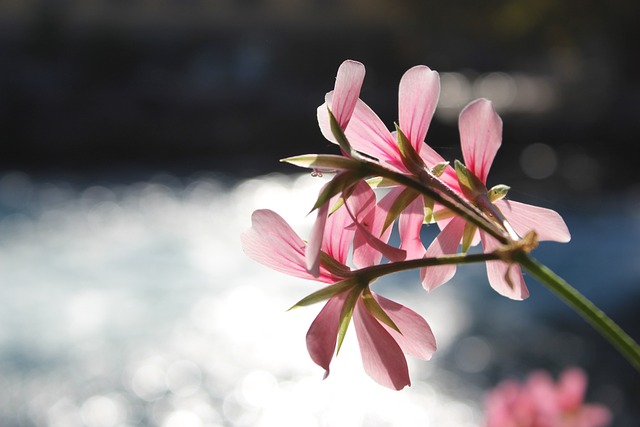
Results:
[325, 293]
[470, 184]
[338, 134]
[405, 198]
[377, 311]
[410, 157]
[323, 161]
[346, 314]
[467, 236]
[498, 192]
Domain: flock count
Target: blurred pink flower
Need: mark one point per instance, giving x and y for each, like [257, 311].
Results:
[540, 402]
[272, 242]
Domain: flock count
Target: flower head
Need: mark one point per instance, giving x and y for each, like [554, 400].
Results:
[386, 330]
[540, 402]
[480, 137]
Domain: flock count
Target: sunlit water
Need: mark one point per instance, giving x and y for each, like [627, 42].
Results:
[134, 305]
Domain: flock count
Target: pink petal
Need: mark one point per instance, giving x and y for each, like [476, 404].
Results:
[368, 134]
[273, 243]
[370, 241]
[547, 223]
[416, 337]
[323, 332]
[497, 271]
[312, 252]
[446, 243]
[594, 416]
[417, 98]
[480, 136]
[338, 233]
[409, 227]
[572, 386]
[346, 91]
[382, 357]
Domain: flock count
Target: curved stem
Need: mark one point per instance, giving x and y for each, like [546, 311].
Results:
[592, 314]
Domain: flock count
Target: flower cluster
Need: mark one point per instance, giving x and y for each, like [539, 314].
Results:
[539, 402]
[420, 187]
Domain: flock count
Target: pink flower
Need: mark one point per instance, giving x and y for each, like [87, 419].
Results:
[342, 101]
[272, 242]
[480, 137]
[541, 403]
[418, 95]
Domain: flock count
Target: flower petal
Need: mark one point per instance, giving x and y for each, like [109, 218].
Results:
[417, 99]
[312, 252]
[346, 91]
[446, 243]
[416, 337]
[323, 332]
[409, 227]
[480, 136]
[273, 243]
[572, 386]
[497, 272]
[382, 357]
[338, 234]
[548, 224]
[370, 240]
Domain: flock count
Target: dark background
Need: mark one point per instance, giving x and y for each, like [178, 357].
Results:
[122, 88]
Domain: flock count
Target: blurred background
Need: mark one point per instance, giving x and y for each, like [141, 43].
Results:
[138, 136]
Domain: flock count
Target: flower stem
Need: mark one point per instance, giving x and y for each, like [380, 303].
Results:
[373, 272]
[592, 314]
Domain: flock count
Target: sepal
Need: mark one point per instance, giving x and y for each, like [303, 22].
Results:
[338, 133]
[326, 293]
[410, 157]
[470, 184]
[439, 168]
[498, 192]
[323, 162]
[404, 199]
[377, 311]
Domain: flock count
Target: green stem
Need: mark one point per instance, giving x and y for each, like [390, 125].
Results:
[592, 314]
[375, 271]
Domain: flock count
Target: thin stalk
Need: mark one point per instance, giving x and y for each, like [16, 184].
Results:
[376, 271]
[592, 314]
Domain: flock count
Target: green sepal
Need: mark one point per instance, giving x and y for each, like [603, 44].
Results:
[498, 192]
[377, 311]
[410, 156]
[439, 168]
[346, 314]
[380, 182]
[333, 266]
[467, 236]
[323, 161]
[429, 216]
[338, 184]
[337, 205]
[325, 293]
[338, 134]
[470, 184]
[405, 198]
